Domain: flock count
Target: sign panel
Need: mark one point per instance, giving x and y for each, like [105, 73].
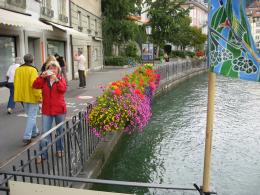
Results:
[22, 188]
[147, 52]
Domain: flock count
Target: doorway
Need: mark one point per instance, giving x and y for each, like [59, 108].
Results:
[34, 48]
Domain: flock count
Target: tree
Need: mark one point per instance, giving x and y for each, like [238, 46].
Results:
[198, 38]
[117, 28]
[181, 32]
[163, 15]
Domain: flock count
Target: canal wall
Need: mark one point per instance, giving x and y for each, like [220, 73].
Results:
[171, 73]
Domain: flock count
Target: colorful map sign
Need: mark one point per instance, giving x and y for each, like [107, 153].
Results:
[232, 51]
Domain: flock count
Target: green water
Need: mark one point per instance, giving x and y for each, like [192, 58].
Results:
[171, 148]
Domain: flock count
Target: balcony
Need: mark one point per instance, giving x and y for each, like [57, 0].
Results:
[47, 12]
[63, 18]
[17, 3]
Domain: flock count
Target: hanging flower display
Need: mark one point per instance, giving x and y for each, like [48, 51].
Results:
[125, 105]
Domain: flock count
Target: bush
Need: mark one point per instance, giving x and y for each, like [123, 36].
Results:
[177, 53]
[116, 60]
[190, 54]
[131, 50]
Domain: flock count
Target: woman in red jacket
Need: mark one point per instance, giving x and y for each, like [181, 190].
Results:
[53, 87]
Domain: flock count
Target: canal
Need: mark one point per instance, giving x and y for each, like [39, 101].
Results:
[171, 148]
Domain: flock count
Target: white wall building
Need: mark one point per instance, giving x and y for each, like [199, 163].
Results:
[86, 18]
[198, 14]
[253, 13]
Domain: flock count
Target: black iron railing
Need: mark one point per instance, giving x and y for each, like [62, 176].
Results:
[173, 70]
[79, 143]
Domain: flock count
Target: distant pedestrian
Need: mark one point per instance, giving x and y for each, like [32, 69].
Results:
[49, 59]
[166, 57]
[81, 68]
[53, 87]
[30, 97]
[63, 66]
[10, 83]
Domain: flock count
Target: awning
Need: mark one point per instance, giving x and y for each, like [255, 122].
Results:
[16, 19]
[71, 31]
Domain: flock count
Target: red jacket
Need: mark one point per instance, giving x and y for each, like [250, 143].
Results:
[53, 102]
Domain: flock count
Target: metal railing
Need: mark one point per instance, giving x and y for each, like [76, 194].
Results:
[78, 141]
[173, 70]
[54, 180]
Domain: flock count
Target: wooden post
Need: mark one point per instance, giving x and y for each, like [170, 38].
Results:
[209, 129]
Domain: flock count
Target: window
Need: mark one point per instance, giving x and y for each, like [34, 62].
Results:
[46, 3]
[54, 47]
[7, 54]
[62, 7]
[89, 25]
[79, 19]
[96, 54]
[96, 28]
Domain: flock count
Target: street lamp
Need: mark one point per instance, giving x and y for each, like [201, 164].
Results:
[148, 30]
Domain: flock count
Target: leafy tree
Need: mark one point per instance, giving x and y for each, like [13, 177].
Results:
[198, 38]
[163, 15]
[117, 28]
[181, 32]
[184, 35]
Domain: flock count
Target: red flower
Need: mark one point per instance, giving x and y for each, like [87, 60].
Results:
[149, 72]
[137, 91]
[117, 91]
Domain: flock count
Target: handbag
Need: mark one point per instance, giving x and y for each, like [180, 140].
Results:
[4, 84]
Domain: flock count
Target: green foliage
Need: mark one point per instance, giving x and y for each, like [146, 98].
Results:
[190, 54]
[116, 60]
[117, 29]
[182, 54]
[131, 49]
[197, 38]
[178, 53]
[164, 14]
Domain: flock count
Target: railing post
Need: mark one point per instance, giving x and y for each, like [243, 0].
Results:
[68, 150]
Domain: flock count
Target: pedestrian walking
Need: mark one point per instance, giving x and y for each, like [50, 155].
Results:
[53, 87]
[26, 94]
[63, 66]
[10, 83]
[81, 68]
[49, 59]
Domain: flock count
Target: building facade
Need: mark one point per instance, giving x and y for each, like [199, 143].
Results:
[198, 14]
[44, 27]
[86, 18]
[253, 13]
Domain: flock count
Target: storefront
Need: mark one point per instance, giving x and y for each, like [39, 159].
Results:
[58, 47]
[7, 54]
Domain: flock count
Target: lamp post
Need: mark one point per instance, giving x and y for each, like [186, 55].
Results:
[148, 30]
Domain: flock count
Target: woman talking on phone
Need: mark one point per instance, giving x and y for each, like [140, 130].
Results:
[53, 87]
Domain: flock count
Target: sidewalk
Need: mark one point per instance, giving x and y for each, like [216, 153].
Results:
[12, 126]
